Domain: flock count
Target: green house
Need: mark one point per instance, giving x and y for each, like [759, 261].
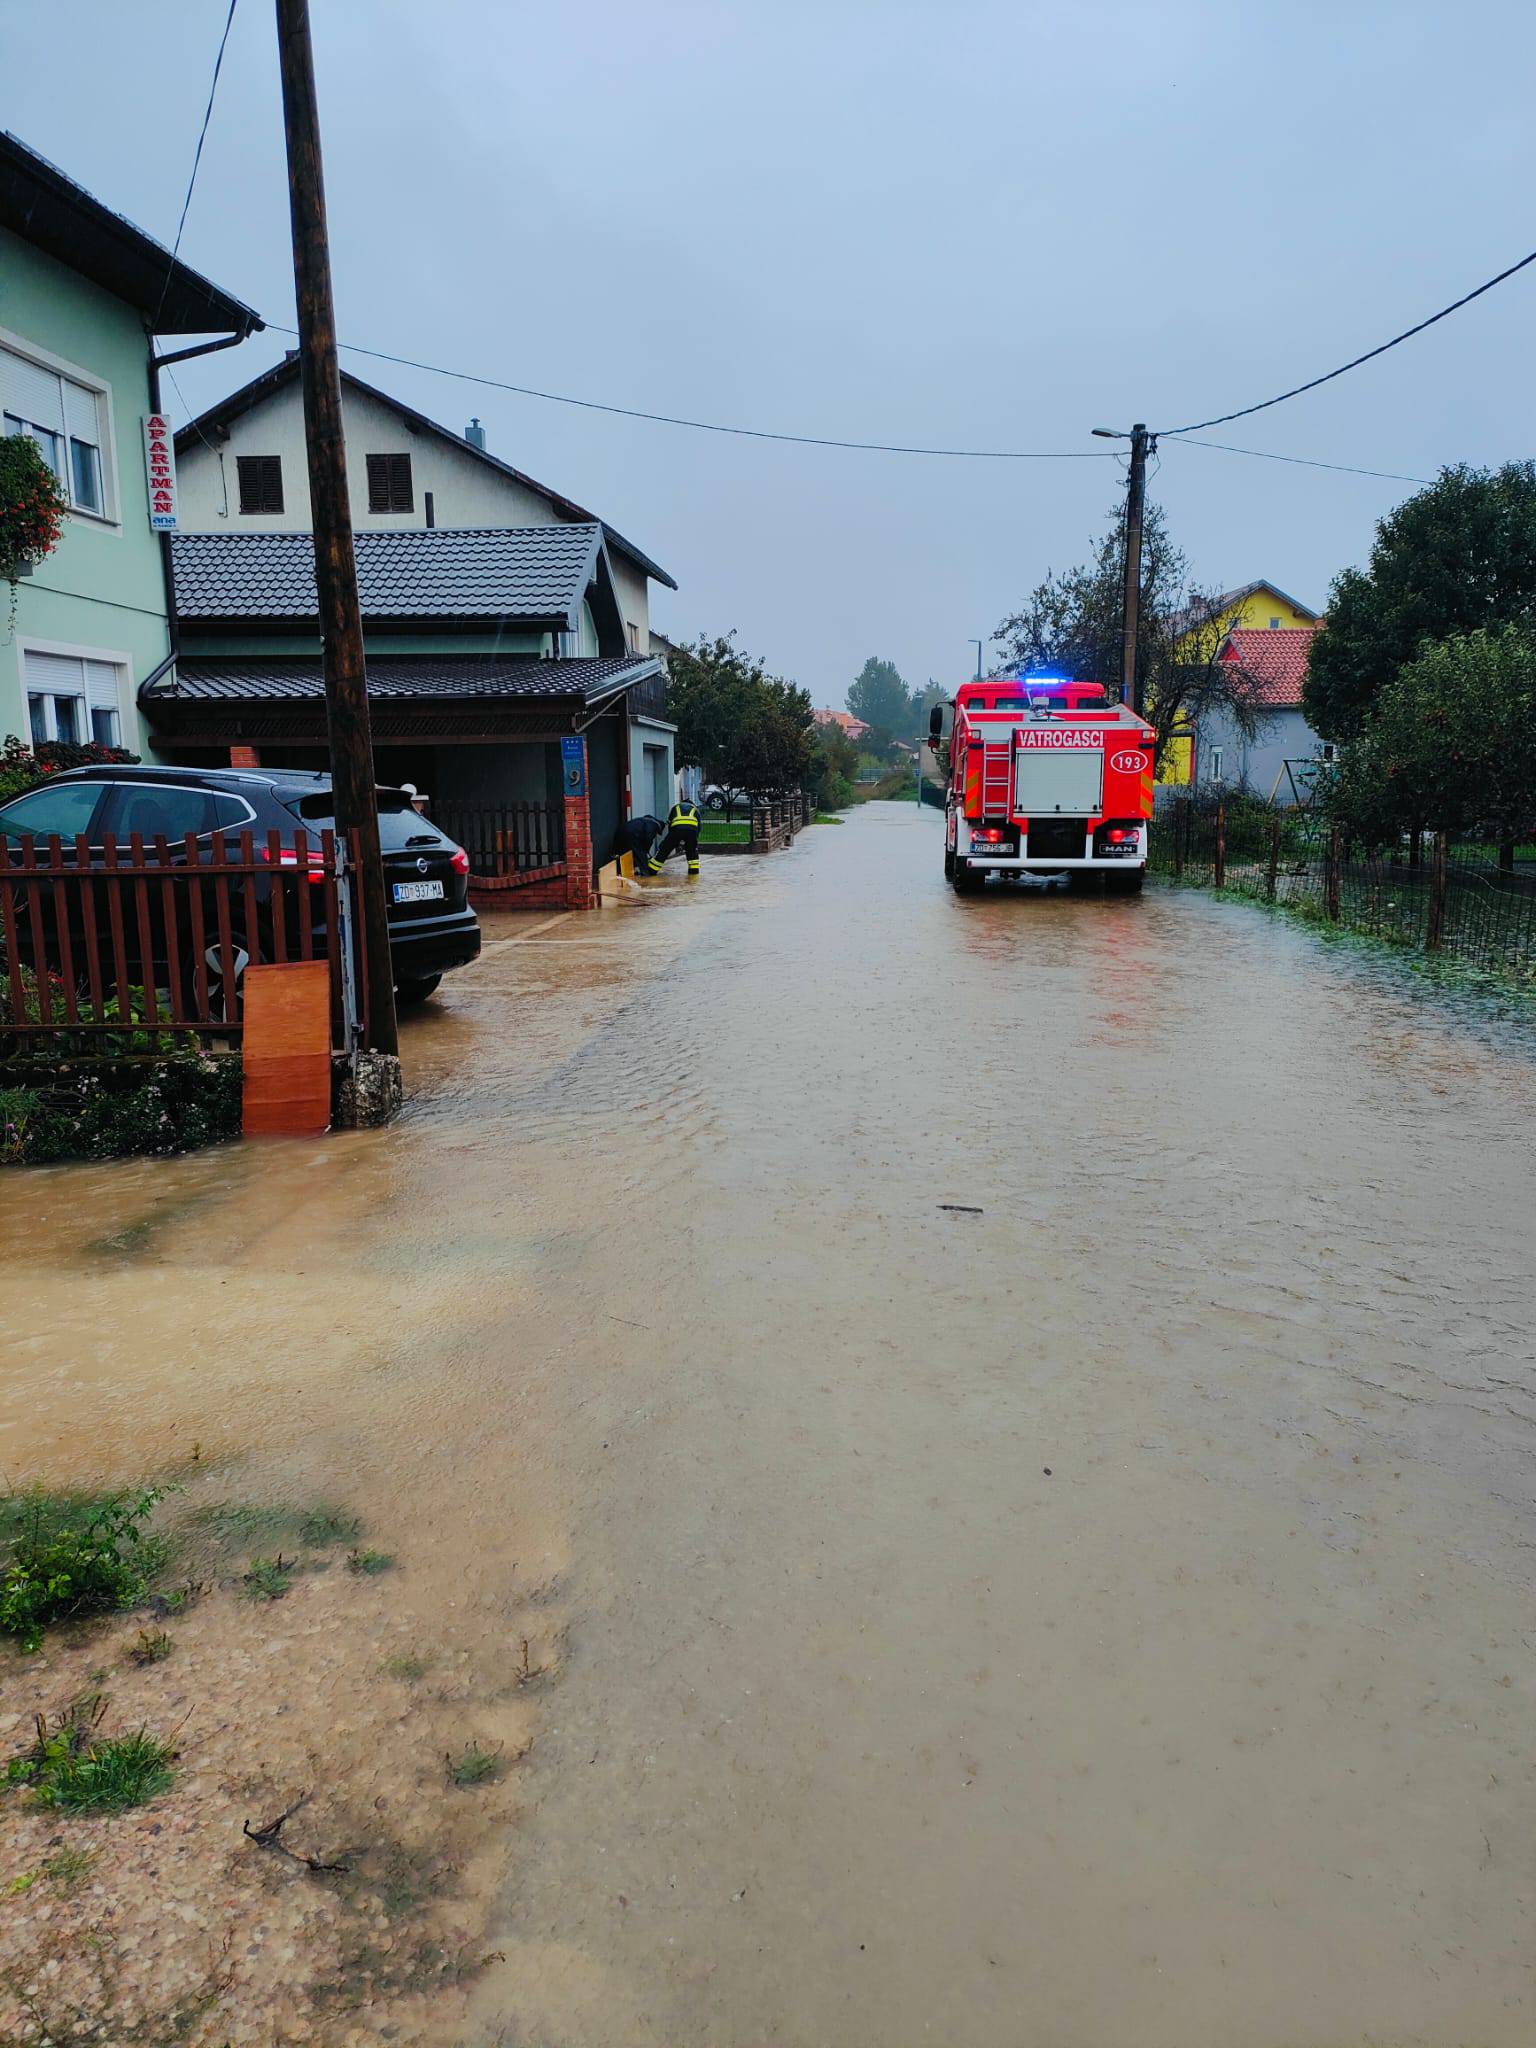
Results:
[83, 297]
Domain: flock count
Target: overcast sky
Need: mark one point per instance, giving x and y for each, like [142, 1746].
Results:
[986, 223]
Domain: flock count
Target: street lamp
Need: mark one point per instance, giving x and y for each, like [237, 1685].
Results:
[977, 644]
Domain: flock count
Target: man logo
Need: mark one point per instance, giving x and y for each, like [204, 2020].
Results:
[1127, 763]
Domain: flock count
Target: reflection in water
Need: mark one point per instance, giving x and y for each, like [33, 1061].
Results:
[870, 1730]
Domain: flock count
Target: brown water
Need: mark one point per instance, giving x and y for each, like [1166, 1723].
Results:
[1101, 1622]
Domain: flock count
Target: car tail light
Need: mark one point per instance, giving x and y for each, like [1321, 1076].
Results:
[989, 835]
[459, 861]
[288, 857]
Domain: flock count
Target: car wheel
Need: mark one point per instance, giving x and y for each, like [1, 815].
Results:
[417, 989]
[949, 864]
[965, 882]
[1126, 885]
[714, 801]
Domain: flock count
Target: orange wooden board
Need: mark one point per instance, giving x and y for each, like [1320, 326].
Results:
[286, 1054]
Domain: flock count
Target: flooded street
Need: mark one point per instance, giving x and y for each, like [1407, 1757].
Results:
[1103, 1621]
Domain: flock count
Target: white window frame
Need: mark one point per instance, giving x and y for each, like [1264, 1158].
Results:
[1218, 764]
[110, 516]
[72, 651]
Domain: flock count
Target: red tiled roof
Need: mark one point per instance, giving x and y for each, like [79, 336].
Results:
[1275, 660]
[855, 728]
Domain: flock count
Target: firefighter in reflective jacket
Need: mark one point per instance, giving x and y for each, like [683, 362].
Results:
[683, 831]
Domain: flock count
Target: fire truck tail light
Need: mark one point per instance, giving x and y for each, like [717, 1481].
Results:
[1117, 836]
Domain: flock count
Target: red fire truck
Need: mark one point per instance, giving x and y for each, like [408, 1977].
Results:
[1048, 780]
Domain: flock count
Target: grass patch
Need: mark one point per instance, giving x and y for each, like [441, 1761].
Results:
[65, 1555]
[268, 1578]
[828, 818]
[407, 1666]
[71, 1766]
[369, 1562]
[323, 1528]
[473, 1765]
[723, 832]
[153, 1646]
[234, 1525]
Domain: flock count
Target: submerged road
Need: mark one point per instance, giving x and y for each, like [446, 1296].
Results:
[1099, 1621]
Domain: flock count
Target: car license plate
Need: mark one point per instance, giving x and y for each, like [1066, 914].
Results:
[417, 892]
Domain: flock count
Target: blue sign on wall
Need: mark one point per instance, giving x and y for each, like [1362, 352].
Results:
[573, 765]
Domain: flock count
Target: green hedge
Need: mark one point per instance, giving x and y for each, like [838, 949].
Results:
[116, 1109]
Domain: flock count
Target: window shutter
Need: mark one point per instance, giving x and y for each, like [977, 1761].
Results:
[80, 413]
[63, 674]
[101, 685]
[30, 393]
[261, 482]
[389, 484]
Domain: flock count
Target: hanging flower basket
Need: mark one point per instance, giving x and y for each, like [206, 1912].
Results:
[32, 506]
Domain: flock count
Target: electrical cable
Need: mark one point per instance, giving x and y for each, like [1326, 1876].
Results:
[1407, 334]
[197, 157]
[715, 427]
[825, 441]
[1308, 462]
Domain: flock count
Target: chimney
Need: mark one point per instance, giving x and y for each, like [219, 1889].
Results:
[474, 434]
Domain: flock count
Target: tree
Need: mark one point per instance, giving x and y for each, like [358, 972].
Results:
[744, 728]
[1071, 624]
[834, 765]
[1457, 556]
[1449, 744]
[880, 697]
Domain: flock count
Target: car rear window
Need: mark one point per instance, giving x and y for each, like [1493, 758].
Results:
[400, 823]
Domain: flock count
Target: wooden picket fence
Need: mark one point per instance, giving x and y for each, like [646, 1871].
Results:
[152, 937]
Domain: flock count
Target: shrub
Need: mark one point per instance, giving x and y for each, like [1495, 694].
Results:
[23, 767]
[68, 1555]
[79, 1110]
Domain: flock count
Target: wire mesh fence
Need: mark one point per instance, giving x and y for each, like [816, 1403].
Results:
[1473, 902]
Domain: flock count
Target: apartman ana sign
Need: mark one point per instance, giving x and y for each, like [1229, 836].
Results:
[160, 470]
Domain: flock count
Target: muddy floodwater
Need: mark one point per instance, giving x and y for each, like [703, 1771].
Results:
[1007, 1423]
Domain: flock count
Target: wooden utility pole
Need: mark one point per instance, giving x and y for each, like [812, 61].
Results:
[341, 625]
[1135, 504]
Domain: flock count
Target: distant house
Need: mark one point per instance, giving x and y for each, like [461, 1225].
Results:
[244, 471]
[83, 295]
[852, 728]
[1279, 762]
[1259, 606]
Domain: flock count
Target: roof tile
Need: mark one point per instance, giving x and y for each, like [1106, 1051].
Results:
[1274, 659]
[509, 572]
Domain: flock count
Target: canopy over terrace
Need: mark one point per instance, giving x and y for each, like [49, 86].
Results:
[490, 740]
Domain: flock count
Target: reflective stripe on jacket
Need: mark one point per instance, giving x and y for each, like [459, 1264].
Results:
[683, 814]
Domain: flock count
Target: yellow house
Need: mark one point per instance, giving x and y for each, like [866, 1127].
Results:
[1256, 605]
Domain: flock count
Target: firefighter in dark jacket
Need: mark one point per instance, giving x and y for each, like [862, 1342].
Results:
[636, 837]
[682, 831]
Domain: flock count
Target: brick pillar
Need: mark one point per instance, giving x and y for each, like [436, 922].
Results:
[244, 757]
[578, 842]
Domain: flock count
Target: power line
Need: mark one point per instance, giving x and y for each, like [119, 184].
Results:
[197, 156]
[1408, 333]
[1309, 462]
[665, 419]
[827, 441]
